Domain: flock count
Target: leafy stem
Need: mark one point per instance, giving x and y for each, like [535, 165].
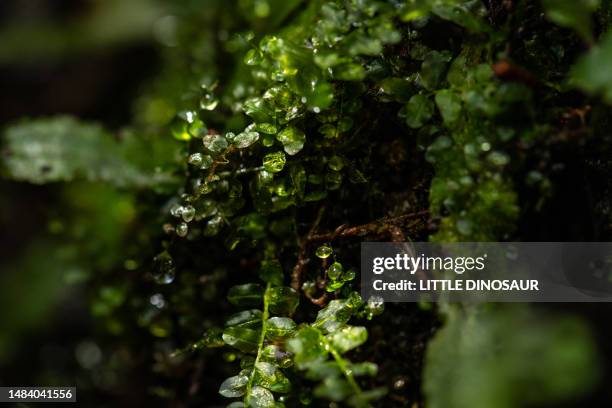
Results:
[264, 318]
[342, 365]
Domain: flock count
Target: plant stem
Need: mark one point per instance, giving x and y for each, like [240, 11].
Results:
[342, 364]
[260, 344]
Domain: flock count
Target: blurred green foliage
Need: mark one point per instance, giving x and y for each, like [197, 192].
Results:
[274, 121]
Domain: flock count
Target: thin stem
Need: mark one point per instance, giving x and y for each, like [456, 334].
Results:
[348, 373]
[260, 344]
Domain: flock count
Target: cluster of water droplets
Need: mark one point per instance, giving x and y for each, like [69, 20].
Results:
[185, 214]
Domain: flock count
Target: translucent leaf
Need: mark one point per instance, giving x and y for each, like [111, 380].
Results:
[247, 318]
[245, 139]
[215, 143]
[234, 386]
[280, 327]
[274, 162]
[283, 300]
[243, 339]
[418, 111]
[268, 376]
[274, 354]
[267, 128]
[307, 347]
[574, 14]
[63, 149]
[250, 294]
[261, 398]
[348, 338]
[335, 315]
[292, 139]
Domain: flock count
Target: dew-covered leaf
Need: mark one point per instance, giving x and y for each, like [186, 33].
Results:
[243, 339]
[247, 318]
[245, 139]
[348, 338]
[234, 386]
[335, 315]
[307, 347]
[62, 149]
[292, 139]
[274, 162]
[261, 398]
[279, 327]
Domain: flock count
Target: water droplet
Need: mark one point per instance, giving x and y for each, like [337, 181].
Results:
[163, 268]
[158, 300]
[208, 101]
[195, 159]
[168, 228]
[176, 210]
[324, 251]
[182, 229]
[188, 213]
[334, 271]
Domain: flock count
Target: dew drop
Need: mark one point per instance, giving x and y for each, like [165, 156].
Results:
[209, 102]
[182, 229]
[334, 271]
[324, 251]
[188, 213]
[163, 268]
[195, 159]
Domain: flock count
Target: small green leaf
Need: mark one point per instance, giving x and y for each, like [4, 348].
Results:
[250, 319]
[243, 339]
[292, 139]
[250, 294]
[279, 327]
[274, 162]
[307, 347]
[215, 143]
[335, 315]
[418, 111]
[283, 300]
[234, 386]
[261, 398]
[348, 338]
[245, 139]
[449, 105]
